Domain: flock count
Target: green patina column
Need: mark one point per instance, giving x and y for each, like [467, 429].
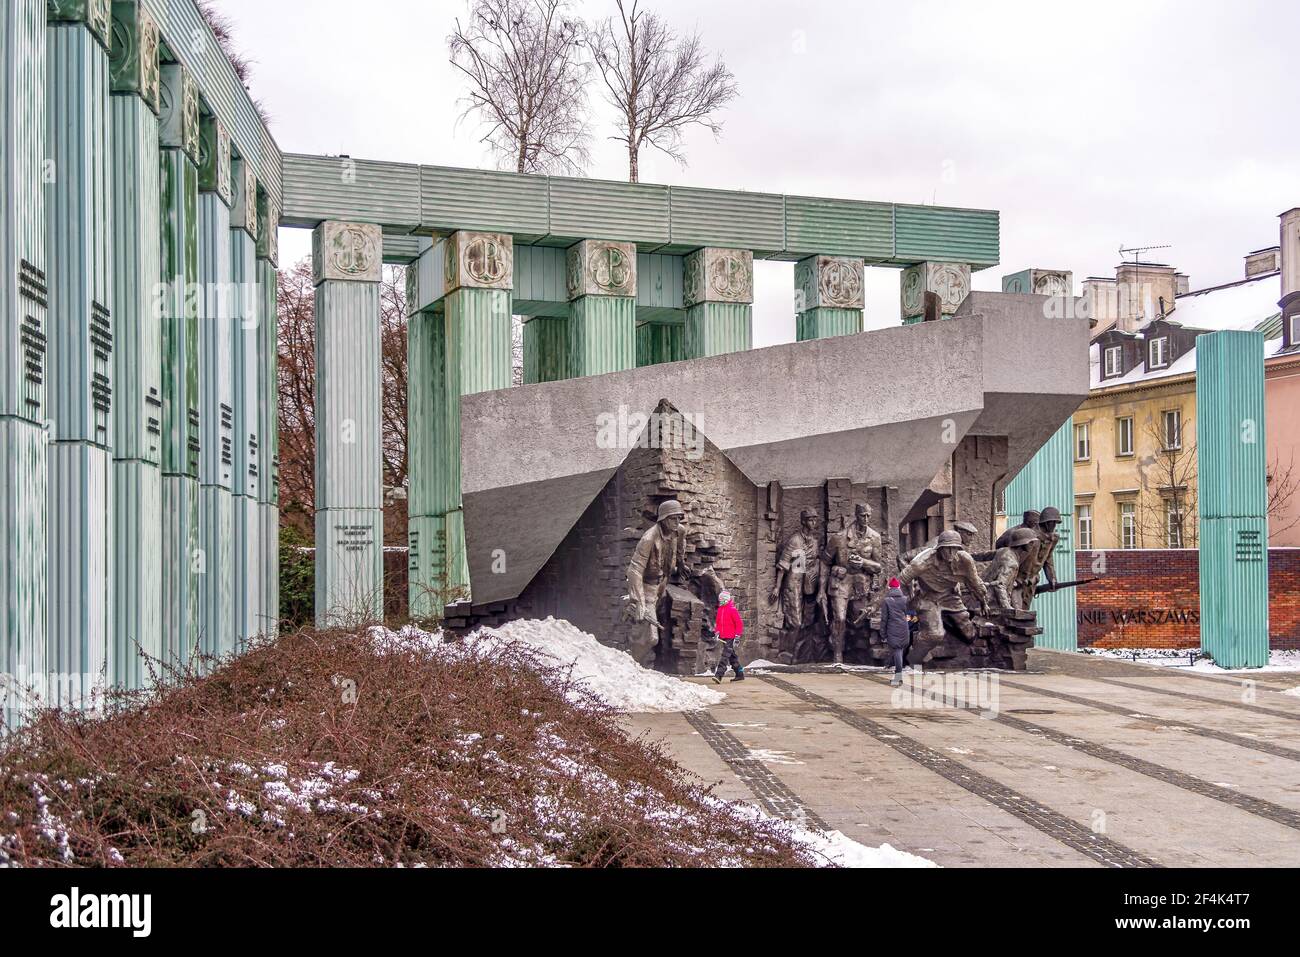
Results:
[218, 630]
[718, 292]
[829, 297]
[268, 410]
[1232, 498]
[23, 324]
[658, 342]
[81, 339]
[182, 559]
[246, 325]
[137, 354]
[546, 349]
[348, 261]
[428, 499]
[601, 282]
[950, 281]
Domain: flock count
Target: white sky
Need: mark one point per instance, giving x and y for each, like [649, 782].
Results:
[1088, 125]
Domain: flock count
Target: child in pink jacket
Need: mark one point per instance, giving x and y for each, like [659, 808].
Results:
[728, 627]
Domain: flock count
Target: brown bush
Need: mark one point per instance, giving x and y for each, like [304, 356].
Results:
[323, 749]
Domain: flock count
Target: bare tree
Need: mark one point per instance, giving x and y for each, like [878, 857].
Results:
[527, 82]
[658, 81]
[1166, 514]
[1283, 483]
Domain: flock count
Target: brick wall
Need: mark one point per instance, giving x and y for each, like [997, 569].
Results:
[1150, 598]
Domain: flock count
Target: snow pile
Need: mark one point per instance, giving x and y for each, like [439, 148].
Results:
[1172, 658]
[833, 848]
[610, 674]
[1294, 692]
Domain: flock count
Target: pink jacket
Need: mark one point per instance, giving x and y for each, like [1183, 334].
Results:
[728, 623]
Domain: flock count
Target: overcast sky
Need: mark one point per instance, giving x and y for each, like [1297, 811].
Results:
[1089, 125]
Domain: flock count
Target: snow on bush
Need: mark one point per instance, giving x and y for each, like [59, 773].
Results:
[609, 674]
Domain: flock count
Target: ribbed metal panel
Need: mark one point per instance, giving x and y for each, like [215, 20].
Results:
[269, 519]
[1232, 498]
[180, 323]
[602, 335]
[347, 394]
[349, 566]
[424, 579]
[246, 303]
[483, 200]
[593, 209]
[371, 192]
[79, 563]
[546, 349]
[181, 562]
[425, 420]
[715, 217]
[137, 573]
[1048, 479]
[837, 227]
[191, 41]
[715, 328]
[455, 553]
[216, 346]
[23, 281]
[939, 234]
[268, 387]
[249, 613]
[137, 353]
[658, 342]
[79, 230]
[825, 322]
[540, 281]
[426, 280]
[23, 489]
[659, 288]
[403, 250]
[216, 566]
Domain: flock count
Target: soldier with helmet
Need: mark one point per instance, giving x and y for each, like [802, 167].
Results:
[798, 571]
[1048, 522]
[659, 554]
[1005, 575]
[1031, 520]
[938, 573]
[966, 530]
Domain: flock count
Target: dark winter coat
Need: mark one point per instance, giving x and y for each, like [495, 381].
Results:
[893, 619]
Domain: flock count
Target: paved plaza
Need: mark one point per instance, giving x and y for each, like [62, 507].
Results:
[1082, 761]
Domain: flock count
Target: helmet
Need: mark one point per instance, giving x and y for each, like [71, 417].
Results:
[948, 539]
[1049, 514]
[966, 527]
[670, 508]
[1022, 536]
[808, 513]
[1032, 516]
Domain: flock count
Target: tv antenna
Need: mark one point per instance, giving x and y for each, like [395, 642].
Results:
[1138, 250]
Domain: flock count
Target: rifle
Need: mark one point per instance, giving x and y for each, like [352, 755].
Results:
[1061, 586]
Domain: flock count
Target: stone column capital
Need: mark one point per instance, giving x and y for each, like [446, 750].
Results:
[599, 267]
[830, 282]
[951, 281]
[268, 229]
[178, 103]
[478, 261]
[95, 14]
[133, 63]
[1040, 282]
[715, 274]
[244, 211]
[347, 252]
[215, 175]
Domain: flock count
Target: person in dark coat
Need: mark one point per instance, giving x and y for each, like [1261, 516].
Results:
[896, 618]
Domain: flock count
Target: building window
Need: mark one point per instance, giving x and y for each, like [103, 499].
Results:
[1114, 361]
[1159, 354]
[1124, 435]
[1082, 442]
[1172, 429]
[1295, 329]
[1127, 525]
[1174, 524]
[1083, 518]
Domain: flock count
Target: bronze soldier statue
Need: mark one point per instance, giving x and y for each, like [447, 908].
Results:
[850, 566]
[938, 574]
[659, 555]
[1048, 522]
[966, 530]
[798, 571]
[1031, 520]
[1005, 575]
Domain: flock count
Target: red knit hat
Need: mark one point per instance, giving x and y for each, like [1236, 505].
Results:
[895, 583]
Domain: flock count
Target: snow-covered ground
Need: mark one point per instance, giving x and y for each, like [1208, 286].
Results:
[1169, 658]
[837, 848]
[610, 674]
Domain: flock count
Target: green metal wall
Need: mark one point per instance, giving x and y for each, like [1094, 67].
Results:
[216, 346]
[825, 322]
[244, 362]
[182, 561]
[23, 483]
[180, 323]
[716, 328]
[137, 567]
[1048, 479]
[602, 335]
[1232, 498]
[546, 349]
[658, 342]
[215, 569]
[349, 566]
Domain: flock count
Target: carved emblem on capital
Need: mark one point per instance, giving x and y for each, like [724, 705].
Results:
[831, 282]
[95, 14]
[1053, 283]
[244, 213]
[268, 229]
[215, 174]
[713, 274]
[348, 252]
[951, 281]
[596, 267]
[179, 111]
[134, 64]
[479, 261]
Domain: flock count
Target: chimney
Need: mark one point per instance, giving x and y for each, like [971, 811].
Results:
[1263, 261]
[1146, 290]
[1183, 282]
[1290, 262]
[1102, 302]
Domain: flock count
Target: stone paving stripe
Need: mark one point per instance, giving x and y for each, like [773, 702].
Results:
[1098, 847]
[1207, 699]
[1240, 740]
[1243, 802]
[773, 793]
